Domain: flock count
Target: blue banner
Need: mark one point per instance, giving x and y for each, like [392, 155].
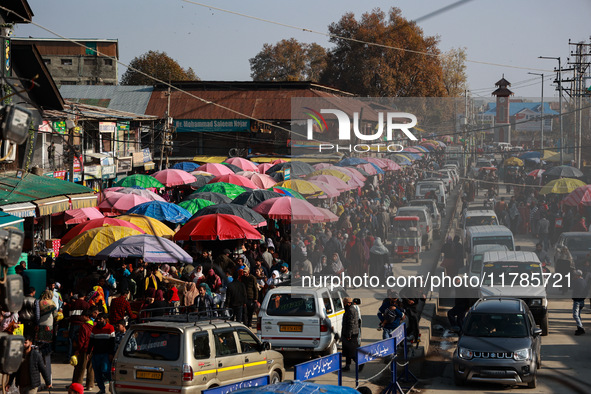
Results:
[398, 333]
[318, 367]
[375, 351]
[215, 125]
[262, 381]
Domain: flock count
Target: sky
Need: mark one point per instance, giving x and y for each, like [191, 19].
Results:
[501, 37]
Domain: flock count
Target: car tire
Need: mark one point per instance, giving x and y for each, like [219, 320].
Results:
[332, 349]
[544, 325]
[458, 381]
[533, 384]
[275, 378]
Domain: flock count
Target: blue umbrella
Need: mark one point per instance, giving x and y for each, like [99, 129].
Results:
[401, 159]
[351, 161]
[186, 166]
[530, 155]
[162, 211]
[378, 169]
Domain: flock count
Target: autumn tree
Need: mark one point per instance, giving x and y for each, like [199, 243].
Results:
[453, 63]
[288, 60]
[157, 65]
[381, 70]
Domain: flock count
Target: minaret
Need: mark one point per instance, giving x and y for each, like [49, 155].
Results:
[502, 123]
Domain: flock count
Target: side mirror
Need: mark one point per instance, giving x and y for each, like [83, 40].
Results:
[537, 332]
[266, 345]
[357, 301]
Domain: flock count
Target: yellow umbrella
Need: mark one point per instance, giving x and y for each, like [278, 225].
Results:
[566, 157]
[548, 154]
[562, 186]
[336, 173]
[514, 161]
[305, 188]
[149, 225]
[92, 241]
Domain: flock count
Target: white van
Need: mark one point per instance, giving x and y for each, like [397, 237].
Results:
[486, 235]
[294, 318]
[425, 221]
[424, 187]
[478, 217]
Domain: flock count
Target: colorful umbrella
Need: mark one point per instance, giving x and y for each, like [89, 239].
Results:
[217, 227]
[172, 177]
[328, 191]
[235, 180]
[164, 211]
[201, 181]
[244, 164]
[216, 198]
[561, 186]
[119, 202]
[81, 215]
[351, 161]
[370, 168]
[91, 242]
[530, 155]
[378, 162]
[149, 225]
[297, 168]
[264, 167]
[150, 248]
[284, 191]
[305, 188]
[291, 209]
[352, 172]
[227, 189]
[322, 166]
[514, 161]
[253, 198]
[579, 196]
[252, 217]
[391, 165]
[187, 166]
[204, 173]
[134, 190]
[102, 222]
[263, 181]
[331, 171]
[333, 181]
[536, 173]
[140, 180]
[328, 215]
[215, 169]
[195, 204]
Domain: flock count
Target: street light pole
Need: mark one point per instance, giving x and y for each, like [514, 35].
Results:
[562, 142]
[542, 116]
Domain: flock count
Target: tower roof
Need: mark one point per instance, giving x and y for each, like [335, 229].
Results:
[503, 82]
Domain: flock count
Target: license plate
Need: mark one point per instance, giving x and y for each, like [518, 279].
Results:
[148, 375]
[290, 328]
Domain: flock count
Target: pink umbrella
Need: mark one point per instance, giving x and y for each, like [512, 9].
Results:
[368, 168]
[278, 161]
[329, 190]
[120, 202]
[322, 166]
[140, 192]
[263, 181]
[172, 177]
[412, 150]
[391, 165]
[215, 169]
[204, 173]
[264, 167]
[291, 209]
[352, 172]
[579, 196]
[328, 215]
[81, 215]
[378, 162]
[246, 165]
[333, 181]
[235, 180]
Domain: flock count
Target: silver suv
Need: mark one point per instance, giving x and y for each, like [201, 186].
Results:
[191, 356]
[499, 343]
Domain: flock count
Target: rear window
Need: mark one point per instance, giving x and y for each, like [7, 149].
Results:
[153, 345]
[498, 240]
[286, 304]
[429, 205]
[481, 221]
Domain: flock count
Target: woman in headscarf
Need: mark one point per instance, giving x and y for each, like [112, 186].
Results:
[213, 281]
[274, 280]
[191, 292]
[48, 312]
[97, 298]
[336, 264]
[378, 258]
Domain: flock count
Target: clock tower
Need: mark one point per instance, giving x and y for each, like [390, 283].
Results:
[502, 122]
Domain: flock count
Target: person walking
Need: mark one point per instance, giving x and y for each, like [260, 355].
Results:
[102, 346]
[252, 295]
[48, 313]
[580, 291]
[350, 332]
[30, 313]
[236, 297]
[82, 351]
[27, 376]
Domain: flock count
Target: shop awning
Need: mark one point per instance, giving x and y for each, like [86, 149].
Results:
[22, 210]
[209, 159]
[47, 206]
[7, 220]
[86, 200]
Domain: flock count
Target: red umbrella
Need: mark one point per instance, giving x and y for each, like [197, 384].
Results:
[263, 181]
[121, 202]
[536, 173]
[216, 226]
[215, 169]
[81, 215]
[289, 208]
[579, 196]
[103, 222]
[172, 177]
[246, 165]
[235, 180]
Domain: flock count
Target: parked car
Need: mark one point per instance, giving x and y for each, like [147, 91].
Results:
[499, 343]
[481, 235]
[191, 356]
[477, 217]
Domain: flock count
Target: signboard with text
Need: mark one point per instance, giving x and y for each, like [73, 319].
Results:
[215, 125]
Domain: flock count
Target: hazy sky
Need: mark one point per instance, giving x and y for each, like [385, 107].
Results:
[217, 45]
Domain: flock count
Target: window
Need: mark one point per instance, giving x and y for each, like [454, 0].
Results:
[327, 303]
[288, 304]
[201, 345]
[248, 343]
[47, 61]
[337, 302]
[153, 345]
[68, 82]
[108, 62]
[66, 62]
[225, 344]
[90, 61]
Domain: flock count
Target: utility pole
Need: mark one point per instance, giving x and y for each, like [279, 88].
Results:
[542, 116]
[562, 141]
[165, 132]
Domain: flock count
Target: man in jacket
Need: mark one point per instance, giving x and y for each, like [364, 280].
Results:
[82, 352]
[350, 332]
[29, 313]
[236, 297]
[27, 376]
[203, 303]
[102, 346]
[252, 295]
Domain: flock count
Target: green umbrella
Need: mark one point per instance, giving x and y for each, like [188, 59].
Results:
[285, 191]
[195, 204]
[140, 180]
[227, 189]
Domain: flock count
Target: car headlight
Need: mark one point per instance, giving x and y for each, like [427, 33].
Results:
[536, 302]
[464, 353]
[522, 355]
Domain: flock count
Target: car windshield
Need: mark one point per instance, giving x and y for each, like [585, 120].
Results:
[153, 345]
[503, 325]
[287, 304]
[576, 244]
[481, 221]
[497, 240]
[506, 273]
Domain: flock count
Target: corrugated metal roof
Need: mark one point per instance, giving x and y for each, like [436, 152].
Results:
[133, 99]
[85, 111]
[33, 187]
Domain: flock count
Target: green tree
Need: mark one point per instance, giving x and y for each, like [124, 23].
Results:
[378, 71]
[288, 60]
[454, 71]
[157, 65]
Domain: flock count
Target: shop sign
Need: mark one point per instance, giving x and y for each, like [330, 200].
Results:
[60, 175]
[217, 125]
[107, 127]
[60, 127]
